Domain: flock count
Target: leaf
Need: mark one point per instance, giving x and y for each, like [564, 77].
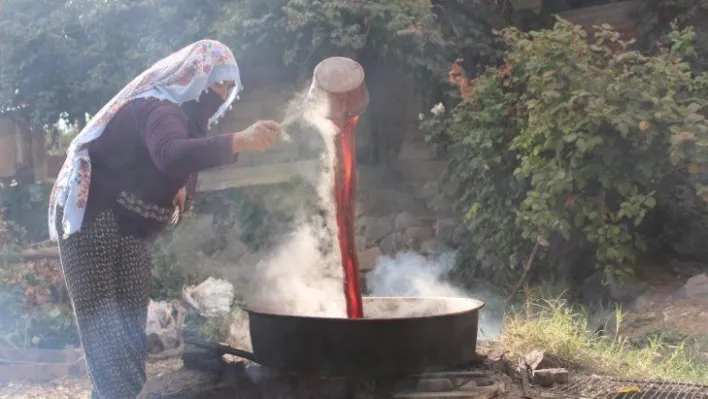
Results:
[693, 107]
[552, 94]
[694, 117]
[571, 200]
[542, 241]
[629, 389]
[644, 125]
[565, 234]
[624, 129]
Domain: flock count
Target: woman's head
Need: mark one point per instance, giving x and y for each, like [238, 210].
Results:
[223, 89]
[180, 78]
[201, 110]
[192, 71]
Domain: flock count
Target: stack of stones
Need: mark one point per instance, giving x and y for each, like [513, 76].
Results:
[405, 231]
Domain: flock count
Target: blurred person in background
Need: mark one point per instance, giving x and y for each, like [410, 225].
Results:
[129, 174]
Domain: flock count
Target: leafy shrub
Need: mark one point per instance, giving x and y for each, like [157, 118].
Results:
[26, 210]
[655, 18]
[580, 146]
[36, 310]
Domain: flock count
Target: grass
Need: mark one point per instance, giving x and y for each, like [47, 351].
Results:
[556, 327]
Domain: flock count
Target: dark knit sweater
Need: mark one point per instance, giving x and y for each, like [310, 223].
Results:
[147, 153]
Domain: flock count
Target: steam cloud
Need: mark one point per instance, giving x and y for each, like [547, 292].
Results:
[410, 274]
[303, 275]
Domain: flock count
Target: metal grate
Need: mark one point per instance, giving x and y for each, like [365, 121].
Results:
[598, 387]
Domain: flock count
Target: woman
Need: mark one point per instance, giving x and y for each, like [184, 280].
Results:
[127, 175]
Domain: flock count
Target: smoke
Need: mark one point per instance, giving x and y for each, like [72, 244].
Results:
[300, 278]
[303, 274]
[409, 274]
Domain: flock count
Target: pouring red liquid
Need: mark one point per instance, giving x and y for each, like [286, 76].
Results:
[340, 82]
[345, 203]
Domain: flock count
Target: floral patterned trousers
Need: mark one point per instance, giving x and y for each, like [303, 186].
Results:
[108, 277]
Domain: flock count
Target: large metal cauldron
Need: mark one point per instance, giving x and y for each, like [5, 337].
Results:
[400, 336]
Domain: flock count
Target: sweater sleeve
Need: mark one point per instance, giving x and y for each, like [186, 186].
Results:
[175, 153]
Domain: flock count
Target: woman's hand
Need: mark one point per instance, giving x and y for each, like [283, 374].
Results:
[178, 202]
[258, 137]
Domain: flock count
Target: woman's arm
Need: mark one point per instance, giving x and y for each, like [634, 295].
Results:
[175, 153]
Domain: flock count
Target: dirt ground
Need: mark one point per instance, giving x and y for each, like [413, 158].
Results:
[661, 310]
[72, 388]
[664, 311]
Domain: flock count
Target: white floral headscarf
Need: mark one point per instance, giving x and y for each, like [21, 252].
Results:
[181, 77]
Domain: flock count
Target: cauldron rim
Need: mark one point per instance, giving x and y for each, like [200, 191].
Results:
[474, 306]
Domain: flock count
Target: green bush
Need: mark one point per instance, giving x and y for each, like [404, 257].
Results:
[654, 19]
[36, 310]
[577, 145]
[25, 210]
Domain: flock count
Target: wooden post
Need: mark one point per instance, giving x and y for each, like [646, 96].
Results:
[24, 172]
[39, 157]
[8, 148]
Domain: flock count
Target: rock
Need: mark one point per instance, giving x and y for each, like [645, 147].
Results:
[413, 236]
[362, 283]
[626, 291]
[359, 210]
[384, 202]
[378, 228]
[183, 383]
[421, 171]
[368, 259]
[686, 269]
[459, 234]
[164, 328]
[407, 220]
[360, 242]
[643, 303]
[592, 290]
[537, 360]
[235, 250]
[361, 223]
[548, 377]
[696, 287]
[444, 228]
[389, 245]
[432, 248]
[602, 322]
[416, 150]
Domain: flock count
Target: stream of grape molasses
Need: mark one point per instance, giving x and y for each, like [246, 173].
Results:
[345, 203]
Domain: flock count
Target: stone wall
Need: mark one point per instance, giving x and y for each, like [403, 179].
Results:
[619, 15]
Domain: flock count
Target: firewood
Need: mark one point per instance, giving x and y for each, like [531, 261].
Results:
[40, 253]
